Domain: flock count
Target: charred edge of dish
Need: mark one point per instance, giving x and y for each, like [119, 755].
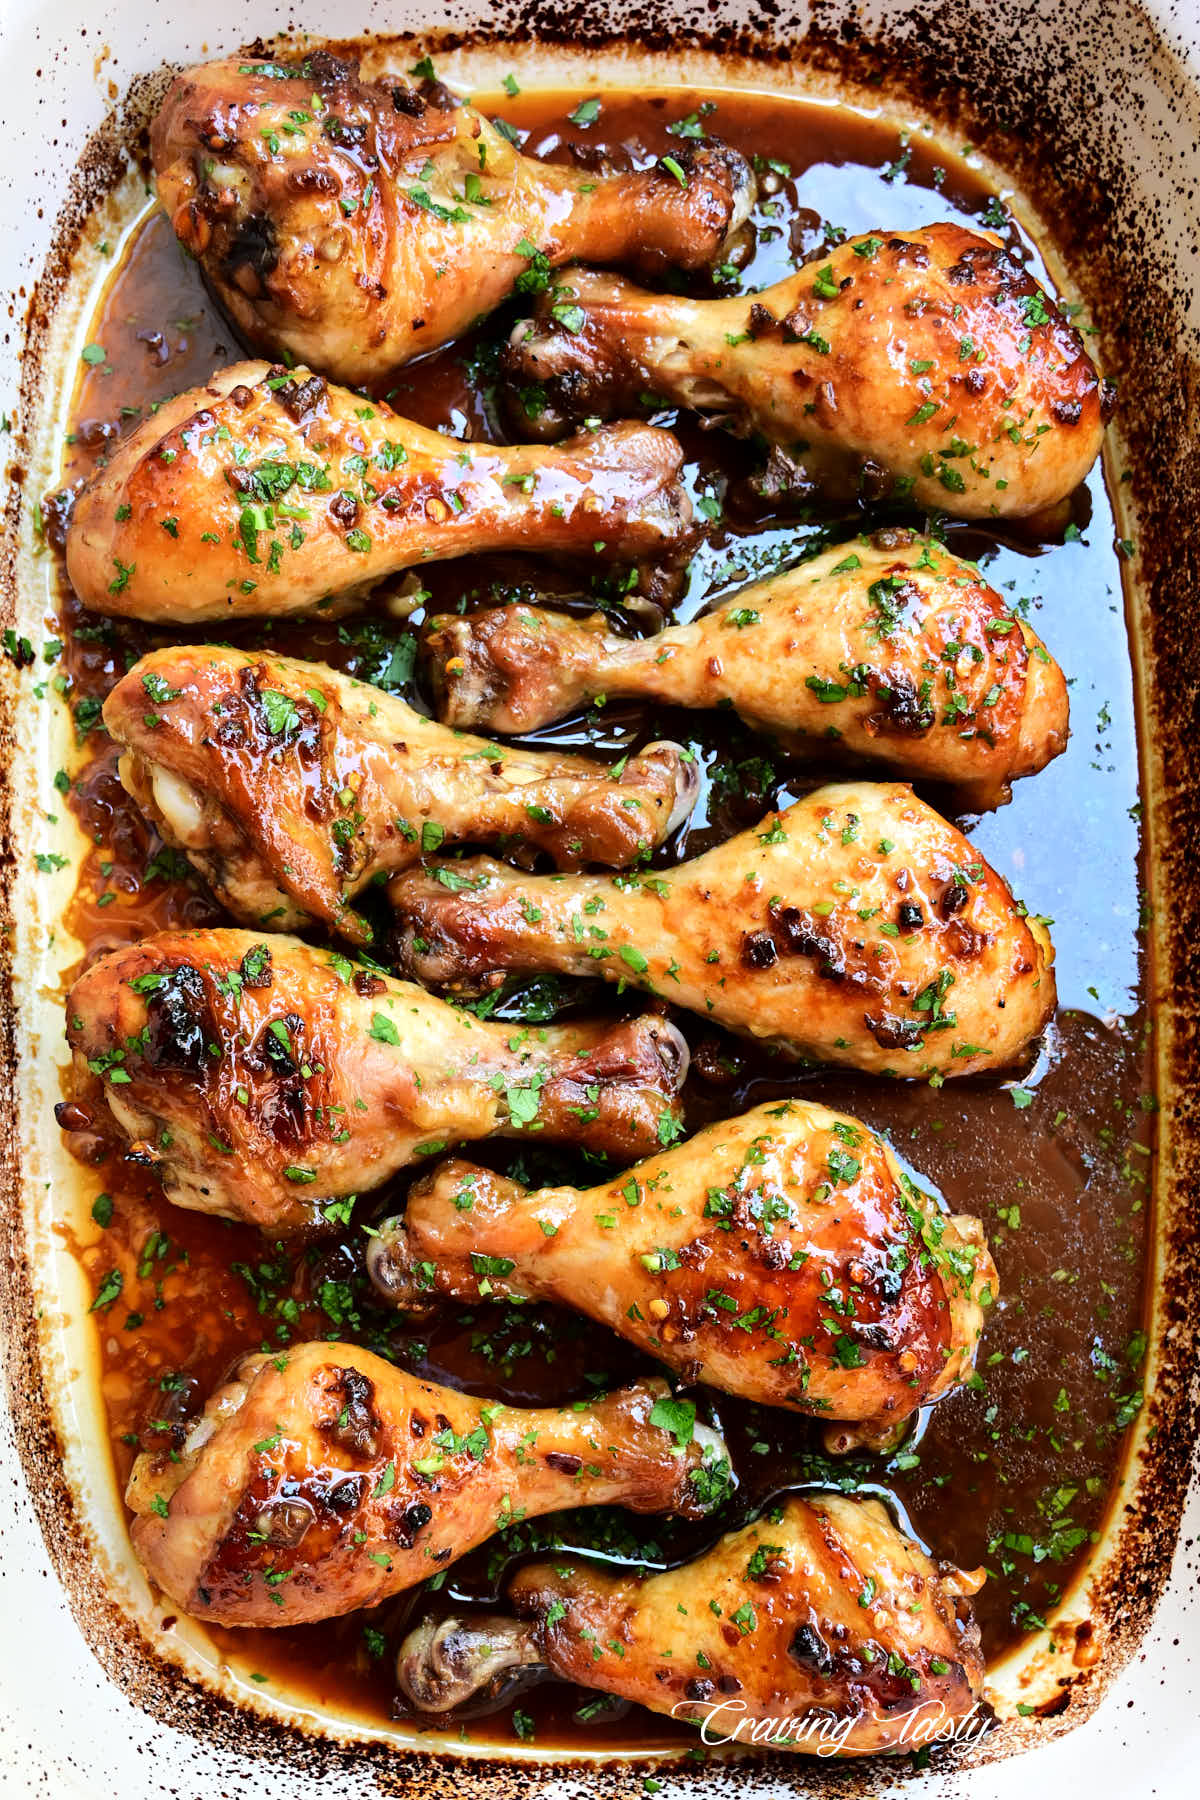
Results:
[960, 79]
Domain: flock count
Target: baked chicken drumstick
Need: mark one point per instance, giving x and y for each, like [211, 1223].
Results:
[358, 224]
[820, 1628]
[893, 644]
[267, 491]
[324, 1479]
[924, 365]
[291, 787]
[784, 1256]
[858, 927]
[272, 1082]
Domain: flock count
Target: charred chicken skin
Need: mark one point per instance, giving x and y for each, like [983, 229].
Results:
[819, 1628]
[899, 646]
[324, 1479]
[784, 1256]
[268, 491]
[271, 1082]
[291, 787]
[358, 224]
[922, 366]
[858, 927]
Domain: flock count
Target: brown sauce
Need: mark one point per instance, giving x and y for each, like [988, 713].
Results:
[1013, 1472]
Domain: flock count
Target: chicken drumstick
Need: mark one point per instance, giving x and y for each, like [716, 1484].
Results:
[820, 1628]
[784, 1256]
[858, 927]
[268, 492]
[358, 224]
[893, 644]
[272, 1082]
[291, 787]
[324, 1479]
[925, 366]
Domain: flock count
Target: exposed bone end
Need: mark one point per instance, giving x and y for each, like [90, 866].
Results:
[687, 784]
[445, 1663]
[185, 814]
[392, 1271]
[879, 1436]
[743, 191]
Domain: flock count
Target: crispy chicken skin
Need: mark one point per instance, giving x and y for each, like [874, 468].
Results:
[858, 927]
[893, 642]
[819, 1628]
[925, 366]
[784, 1256]
[359, 224]
[268, 491]
[323, 1479]
[266, 1078]
[292, 787]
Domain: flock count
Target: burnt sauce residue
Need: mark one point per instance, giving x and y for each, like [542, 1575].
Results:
[1012, 1472]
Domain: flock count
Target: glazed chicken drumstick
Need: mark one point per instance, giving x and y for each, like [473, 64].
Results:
[820, 1628]
[324, 1479]
[291, 787]
[784, 1256]
[858, 927]
[272, 1082]
[267, 491]
[924, 366]
[891, 642]
[358, 224]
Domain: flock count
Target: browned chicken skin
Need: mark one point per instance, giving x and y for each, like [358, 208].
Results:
[359, 224]
[291, 787]
[272, 1082]
[858, 927]
[268, 491]
[819, 1628]
[324, 1479]
[898, 646]
[924, 366]
[784, 1256]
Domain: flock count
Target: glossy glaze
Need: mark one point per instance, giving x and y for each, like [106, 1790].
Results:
[292, 788]
[269, 1081]
[855, 927]
[321, 1480]
[925, 367]
[783, 1256]
[887, 646]
[820, 1628]
[268, 491]
[360, 224]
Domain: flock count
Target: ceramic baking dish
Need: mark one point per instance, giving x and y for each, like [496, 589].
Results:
[1091, 114]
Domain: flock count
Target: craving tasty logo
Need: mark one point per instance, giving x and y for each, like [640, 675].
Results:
[825, 1734]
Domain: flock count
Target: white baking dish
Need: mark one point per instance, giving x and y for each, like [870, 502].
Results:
[1133, 98]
